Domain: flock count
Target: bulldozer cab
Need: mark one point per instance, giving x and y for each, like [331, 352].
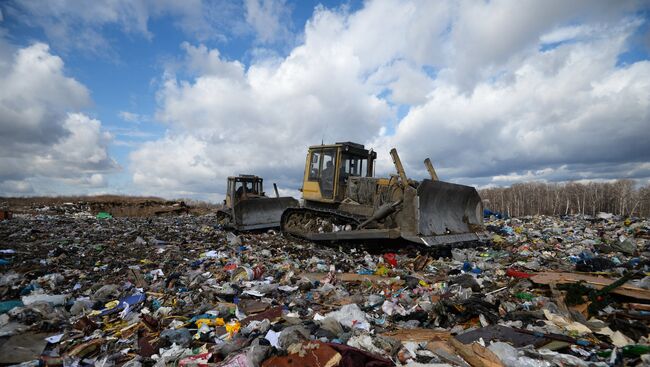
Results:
[243, 187]
[329, 167]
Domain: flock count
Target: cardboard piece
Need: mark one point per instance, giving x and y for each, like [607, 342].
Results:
[23, 348]
[594, 281]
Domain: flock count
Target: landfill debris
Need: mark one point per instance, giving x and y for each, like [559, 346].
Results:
[81, 290]
[595, 282]
[23, 347]
[5, 215]
[103, 215]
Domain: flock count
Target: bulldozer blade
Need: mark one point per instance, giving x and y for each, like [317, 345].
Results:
[261, 212]
[446, 209]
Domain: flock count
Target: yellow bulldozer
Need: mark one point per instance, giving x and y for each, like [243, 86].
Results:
[343, 201]
[247, 207]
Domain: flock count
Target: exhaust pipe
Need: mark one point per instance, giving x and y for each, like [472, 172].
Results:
[275, 187]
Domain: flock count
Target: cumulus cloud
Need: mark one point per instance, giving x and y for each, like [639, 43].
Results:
[230, 120]
[493, 92]
[40, 137]
[34, 92]
[570, 105]
[96, 180]
[85, 145]
[486, 36]
[78, 24]
[269, 19]
[16, 187]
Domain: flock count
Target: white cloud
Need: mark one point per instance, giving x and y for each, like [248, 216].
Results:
[78, 24]
[483, 100]
[269, 19]
[259, 120]
[186, 164]
[567, 33]
[133, 117]
[96, 180]
[408, 83]
[40, 139]
[16, 187]
[487, 35]
[571, 105]
[34, 92]
[86, 143]
[201, 61]
[523, 177]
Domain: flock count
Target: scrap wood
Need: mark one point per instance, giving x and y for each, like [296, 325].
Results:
[517, 337]
[352, 277]
[582, 309]
[638, 306]
[561, 338]
[633, 316]
[475, 354]
[138, 278]
[273, 314]
[560, 299]
[418, 335]
[596, 282]
[307, 354]
[337, 302]
[446, 353]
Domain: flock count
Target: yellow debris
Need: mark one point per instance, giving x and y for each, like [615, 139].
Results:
[381, 271]
[233, 327]
[112, 304]
[209, 322]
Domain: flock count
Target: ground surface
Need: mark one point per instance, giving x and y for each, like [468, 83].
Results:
[151, 290]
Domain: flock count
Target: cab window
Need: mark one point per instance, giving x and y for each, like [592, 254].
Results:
[328, 172]
[328, 165]
[314, 166]
[351, 166]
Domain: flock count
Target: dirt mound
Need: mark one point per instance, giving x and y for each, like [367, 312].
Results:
[116, 205]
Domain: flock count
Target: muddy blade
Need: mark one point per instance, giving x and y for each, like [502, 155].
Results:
[446, 208]
[261, 213]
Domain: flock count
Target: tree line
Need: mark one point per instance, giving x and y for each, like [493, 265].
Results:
[622, 197]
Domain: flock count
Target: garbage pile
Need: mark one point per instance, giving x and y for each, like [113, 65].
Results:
[180, 291]
[90, 206]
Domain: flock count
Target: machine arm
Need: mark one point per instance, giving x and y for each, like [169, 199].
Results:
[398, 166]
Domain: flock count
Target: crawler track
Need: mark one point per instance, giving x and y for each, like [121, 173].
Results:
[299, 222]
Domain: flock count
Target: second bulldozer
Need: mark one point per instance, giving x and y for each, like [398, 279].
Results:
[343, 201]
[248, 208]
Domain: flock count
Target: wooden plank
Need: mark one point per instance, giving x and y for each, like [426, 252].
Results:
[597, 282]
[446, 353]
[353, 277]
[418, 335]
[638, 306]
[475, 354]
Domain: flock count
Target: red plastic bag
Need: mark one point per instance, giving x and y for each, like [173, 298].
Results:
[391, 258]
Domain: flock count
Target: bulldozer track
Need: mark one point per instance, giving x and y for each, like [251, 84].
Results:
[224, 219]
[335, 217]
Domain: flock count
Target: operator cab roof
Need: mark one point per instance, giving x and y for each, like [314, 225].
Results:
[245, 178]
[348, 146]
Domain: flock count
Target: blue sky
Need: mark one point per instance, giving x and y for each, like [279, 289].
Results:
[168, 99]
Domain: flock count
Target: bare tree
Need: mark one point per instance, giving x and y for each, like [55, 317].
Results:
[622, 197]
